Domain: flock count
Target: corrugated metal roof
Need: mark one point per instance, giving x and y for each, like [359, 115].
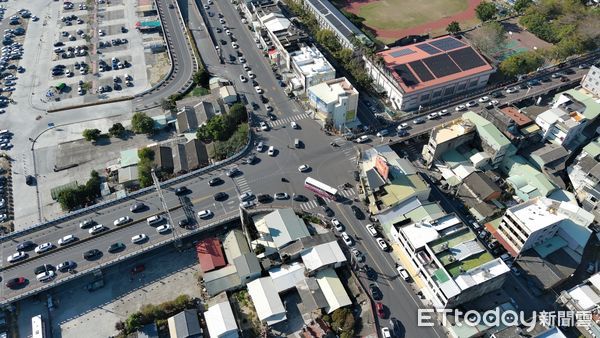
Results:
[210, 254]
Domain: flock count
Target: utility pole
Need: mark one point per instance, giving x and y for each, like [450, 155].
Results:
[165, 209]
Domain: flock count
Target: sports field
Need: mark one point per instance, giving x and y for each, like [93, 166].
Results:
[393, 19]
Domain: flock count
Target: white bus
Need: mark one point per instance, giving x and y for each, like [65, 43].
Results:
[321, 188]
[38, 328]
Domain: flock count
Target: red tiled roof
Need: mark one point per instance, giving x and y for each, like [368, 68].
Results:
[494, 232]
[403, 55]
[210, 254]
[520, 119]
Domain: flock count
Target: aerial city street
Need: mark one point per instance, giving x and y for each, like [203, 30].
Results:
[299, 168]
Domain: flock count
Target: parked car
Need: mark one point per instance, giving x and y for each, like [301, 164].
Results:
[337, 224]
[116, 247]
[246, 196]
[92, 254]
[303, 168]
[137, 239]
[66, 266]
[358, 255]
[375, 292]
[371, 229]
[67, 239]
[205, 214]
[17, 256]
[122, 220]
[382, 244]
[346, 238]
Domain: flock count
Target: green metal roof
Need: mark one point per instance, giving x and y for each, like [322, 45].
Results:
[129, 157]
[593, 148]
[487, 130]
[592, 108]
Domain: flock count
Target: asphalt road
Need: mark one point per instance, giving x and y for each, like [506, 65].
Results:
[182, 58]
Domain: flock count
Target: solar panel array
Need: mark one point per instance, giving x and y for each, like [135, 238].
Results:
[441, 65]
[402, 52]
[319, 6]
[447, 44]
[427, 48]
[339, 25]
[422, 72]
[407, 76]
[466, 58]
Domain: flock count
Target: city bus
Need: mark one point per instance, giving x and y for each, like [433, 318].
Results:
[38, 329]
[321, 189]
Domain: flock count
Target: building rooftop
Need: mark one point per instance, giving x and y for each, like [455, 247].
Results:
[487, 130]
[423, 231]
[433, 63]
[593, 148]
[129, 157]
[235, 244]
[185, 324]
[525, 178]
[535, 214]
[310, 61]
[515, 115]
[210, 254]
[247, 265]
[330, 91]
[217, 281]
[402, 187]
[482, 272]
[322, 255]
[338, 20]
[267, 303]
[220, 320]
[579, 100]
[451, 130]
[286, 277]
[332, 289]
[481, 185]
[280, 227]
[128, 174]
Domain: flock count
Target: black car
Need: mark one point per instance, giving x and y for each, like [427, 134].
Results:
[357, 212]
[16, 282]
[171, 6]
[264, 198]
[263, 99]
[66, 266]
[92, 254]
[300, 198]
[220, 196]
[497, 95]
[137, 207]
[328, 211]
[371, 275]
[26, 246]
[184, 222]
[215, 181]
[272, 117]
[356, 175]
[394, 327]
[181, 191]
[255, 105]
[116, 247]
[375, 292]
[44, 268]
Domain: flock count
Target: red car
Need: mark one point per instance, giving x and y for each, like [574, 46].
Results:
[16, 282]
[380, 311]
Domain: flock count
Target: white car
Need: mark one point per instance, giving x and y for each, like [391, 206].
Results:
[242, 59]
[46, 276]
[204, 213]
[268, 108]
[246, 196]
[163, 228]
[512, 90]
[382, 244]
[346, 238]
[432, 116]
[247, 204]
[402, 126]
[86, 223]
[337, 224]
[139, 238]
[383, 132]
[294, 125]
[17, 256]
[362, 139]
[67, 239]
[43, 247]
[471, 104]
[260, 146]
[235, 45]
[303, 168]
[385, 332]
[122, 220]
[264, 126]
[97, 229]
[246, 67]
[371, 229]
[460, 108]
[281, 196]
[402, 272]
[228, 32]
[483, 99]
[243, 78]
[271, 151]
[258, 89]
[443, 112]
[252, 75]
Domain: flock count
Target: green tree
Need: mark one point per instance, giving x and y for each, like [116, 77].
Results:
[327, 38]
[567, 47]
[117, 130]
[146, 153]
[92, 186]
[142, 123]
[490, 38]
[238, 113]
[453, 28]
[144, 172]
[168, 104]
[201, 77]
[521, 63]
[70, 199]
[259, 249]
[486, 11]
[522, 5]
[91, 134]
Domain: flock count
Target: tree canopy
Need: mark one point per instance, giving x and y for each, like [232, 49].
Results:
[453, 28]
[91, 134]
[521, 63]
[486, 11]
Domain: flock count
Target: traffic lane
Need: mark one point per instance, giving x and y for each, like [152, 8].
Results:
[392, 287]
[101, 243]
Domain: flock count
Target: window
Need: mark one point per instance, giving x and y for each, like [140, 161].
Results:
[449, 91]
[437, 93]
[424, 97]
[461, 86]
[473, 84]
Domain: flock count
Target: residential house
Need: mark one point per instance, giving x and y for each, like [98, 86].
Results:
[335, 103]
[185, 324]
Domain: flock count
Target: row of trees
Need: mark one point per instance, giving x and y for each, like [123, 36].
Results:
[140, 123]
[222, 127]
[145, 166]
[81, 195]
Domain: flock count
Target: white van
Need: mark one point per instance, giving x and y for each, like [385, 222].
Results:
[260, 147]
[271, 151]
[154, 219]
[297, 143]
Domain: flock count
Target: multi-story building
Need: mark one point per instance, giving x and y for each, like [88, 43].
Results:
[428, 72]
[388, 180]
[447, 136]
[491, 140]
[453, 266]
[561, 126]
[332, 19]
[278, 35]
[335, 103]
[584, 175]
[584, 298]
[311, 67]
[591, 82]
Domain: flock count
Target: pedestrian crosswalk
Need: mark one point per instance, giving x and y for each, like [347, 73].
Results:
[242, 184]
[347, 193]
[289, 119]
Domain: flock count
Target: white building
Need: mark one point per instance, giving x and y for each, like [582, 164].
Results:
[538, 220]
[335, 103]
[584, 297]
[428, 72]
[267, 303]
[311, 67]
[278, 228]
[454, 267]
[560, 126]
[220, 321]
[591, 82]
[323, 255]
[332, 289]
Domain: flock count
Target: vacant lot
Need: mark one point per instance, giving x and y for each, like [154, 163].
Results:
[393, 19]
